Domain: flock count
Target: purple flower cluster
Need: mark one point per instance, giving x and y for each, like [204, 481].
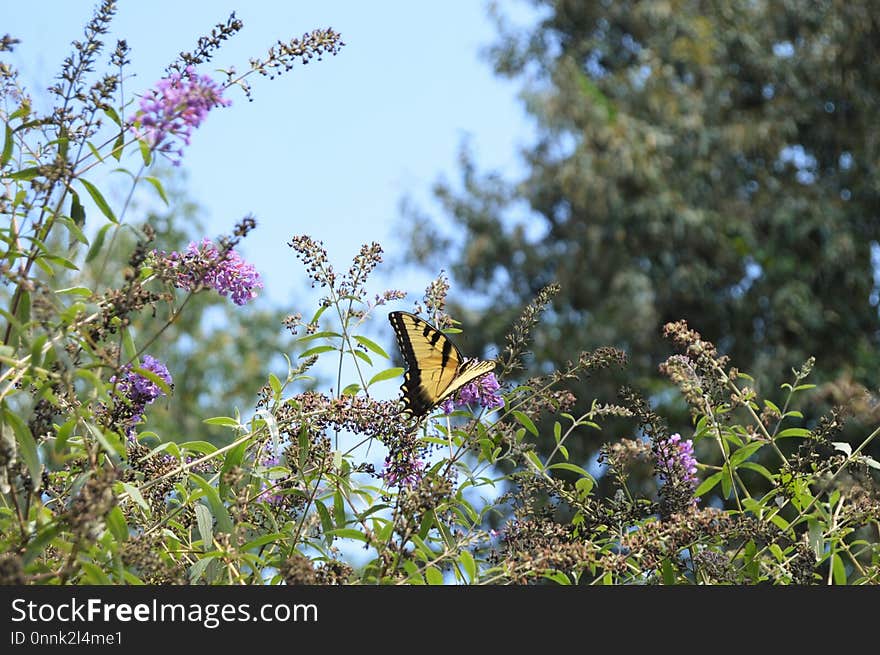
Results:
[138, 390]
[404, 470]
[266, 495]
[204, 264]
[676, 458]
[483, 391]
[174, 108]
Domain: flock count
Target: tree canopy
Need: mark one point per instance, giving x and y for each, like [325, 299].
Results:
[713, 162]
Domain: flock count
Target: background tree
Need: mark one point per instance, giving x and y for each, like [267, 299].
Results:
[714, 162]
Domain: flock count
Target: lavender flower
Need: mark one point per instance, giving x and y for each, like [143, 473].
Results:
[204, 264]
[404, 470]
[676, 461]
[174, 108]
[266, 495]
[139, 391]
[483, 391]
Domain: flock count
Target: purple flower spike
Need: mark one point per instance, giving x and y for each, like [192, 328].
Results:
[203, 264]
[139, 391]
[174, 108]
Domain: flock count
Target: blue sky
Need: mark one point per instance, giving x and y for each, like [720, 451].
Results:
[328, 149]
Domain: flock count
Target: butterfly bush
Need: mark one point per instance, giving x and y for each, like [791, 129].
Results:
[177, 105]
[676, 461]
[138, 391]
[483, 391]
[205, 264]
[404, 469]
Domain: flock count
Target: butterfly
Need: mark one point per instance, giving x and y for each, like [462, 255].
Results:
[436, 369]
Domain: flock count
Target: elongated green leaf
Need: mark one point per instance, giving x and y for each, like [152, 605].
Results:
[317, 350]
[7, 147]
[218, 509]
[793, 432]
[27, 447]
[371, 345]
[470, 566]
[742, 454]
[347, 533]
[709, 483]
[98, 243]
[433, 576]
[198, 569]
[159, 188]
[25, 174]
[526, 422]
[75, 291]
[226, 421]
[116, 522]
[99, 200]
[387, 374]
[135, 494]
[206, 526]
[319, 335]
[838, 570]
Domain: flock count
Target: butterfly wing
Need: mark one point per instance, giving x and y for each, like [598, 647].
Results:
[436, 368]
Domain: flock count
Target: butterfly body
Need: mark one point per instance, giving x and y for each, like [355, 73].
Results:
[436, 369]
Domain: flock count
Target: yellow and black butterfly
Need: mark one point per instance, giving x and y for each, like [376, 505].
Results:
[436, 369]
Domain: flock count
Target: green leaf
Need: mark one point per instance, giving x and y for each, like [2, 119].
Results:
[98, 243]
[709, 483]
[159, 188]
[218, 509]
[347, 533]
[275, 384]
[75, 291]
[77, 211]
[317, 350]
[326, 520]
[567, 466]
[433, 576]
[99, 200]
[225, 421]
[793, 432]
[387, 374]
[470, 566]
[93, 574]
[25, 174]
[758, 468]
[319, 335]
[371, 345]
[534, 459]
[526, 422]
[39, 543]
[27, 447]
[206, 526]
[203, 447]
[351, 389]
[146, 154]
[128, 347]
[362, 355]
[584, 485]
[135, 494]
[667, 571]
[742, 454]
[838, 570]
[116, 522]
[197, 569]
[7, 147]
